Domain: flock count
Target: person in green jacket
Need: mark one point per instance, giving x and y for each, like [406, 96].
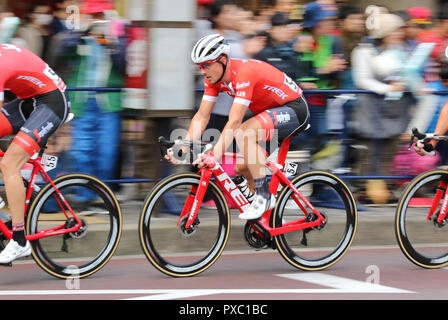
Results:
[95, 59]
[318, 67]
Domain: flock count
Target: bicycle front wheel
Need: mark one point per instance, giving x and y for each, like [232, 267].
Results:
[168, 245]
[77, 254]
[322, 246]
[422, 239]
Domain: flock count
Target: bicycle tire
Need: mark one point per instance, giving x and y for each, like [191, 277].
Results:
[165, 244]
[339, 202]
[421, 242]
[80, 254]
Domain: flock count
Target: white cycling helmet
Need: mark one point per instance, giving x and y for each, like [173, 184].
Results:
[209, 48]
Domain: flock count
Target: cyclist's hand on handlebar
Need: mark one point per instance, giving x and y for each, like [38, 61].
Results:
[418, 148]
[205, 160]
[173, 159]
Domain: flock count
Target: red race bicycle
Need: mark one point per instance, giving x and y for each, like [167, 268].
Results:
[69, 238]
[421, 214]
[185, 221]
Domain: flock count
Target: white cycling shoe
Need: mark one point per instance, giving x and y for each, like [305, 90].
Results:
[14, 251]
[258, 206]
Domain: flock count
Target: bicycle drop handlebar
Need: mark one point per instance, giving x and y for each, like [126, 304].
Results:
[195, 148]
[424, 138]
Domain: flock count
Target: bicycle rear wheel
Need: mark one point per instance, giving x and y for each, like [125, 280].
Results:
[82, 253]
[322, 246]
[171, 248]
[424, 242]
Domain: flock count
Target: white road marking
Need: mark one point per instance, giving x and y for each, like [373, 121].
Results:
[342, 285]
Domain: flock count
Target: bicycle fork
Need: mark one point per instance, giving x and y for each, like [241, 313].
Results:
[194, 199]
[441, 192]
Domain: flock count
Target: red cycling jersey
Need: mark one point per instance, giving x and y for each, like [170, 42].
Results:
[25, 74]
[255, 84]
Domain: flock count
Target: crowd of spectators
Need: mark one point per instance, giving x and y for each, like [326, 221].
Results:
[84, 42]
[397, 55]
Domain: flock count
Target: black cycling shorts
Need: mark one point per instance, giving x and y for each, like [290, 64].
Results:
[287, 120]
[34, 119]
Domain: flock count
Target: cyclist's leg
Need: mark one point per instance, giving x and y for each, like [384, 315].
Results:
[12, 118]
[252, 131]
[286, 120]
[253, 164]
[34, 133]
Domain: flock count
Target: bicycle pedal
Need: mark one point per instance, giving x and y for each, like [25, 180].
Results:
[9, 264]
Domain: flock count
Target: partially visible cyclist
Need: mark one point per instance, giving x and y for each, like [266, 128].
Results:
[442, 122]
[275, 99]
[41, 106]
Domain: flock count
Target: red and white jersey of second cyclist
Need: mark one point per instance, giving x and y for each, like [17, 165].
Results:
[255, 84]
[25, 74]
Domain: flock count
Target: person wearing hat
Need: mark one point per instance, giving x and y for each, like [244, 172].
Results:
[318, 67]
[279, 50]
[437, 34]
[380, 118]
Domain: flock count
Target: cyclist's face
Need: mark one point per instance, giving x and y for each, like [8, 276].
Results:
[212, 71]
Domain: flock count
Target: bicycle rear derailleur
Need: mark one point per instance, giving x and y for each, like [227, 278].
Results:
[70, 223]
[309, 218]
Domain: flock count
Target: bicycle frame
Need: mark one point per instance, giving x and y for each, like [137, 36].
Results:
[196, 195]
[441, 192]
[65, 207]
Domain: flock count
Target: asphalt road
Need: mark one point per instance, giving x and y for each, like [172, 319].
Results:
[365, 273]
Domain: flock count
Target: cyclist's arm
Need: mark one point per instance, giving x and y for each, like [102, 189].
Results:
[441, 129]
[442, 124]
[200, 120]
[236, 116]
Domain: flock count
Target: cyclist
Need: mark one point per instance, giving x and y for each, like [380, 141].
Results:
[41, 106]
[275, 99]
[442, 121]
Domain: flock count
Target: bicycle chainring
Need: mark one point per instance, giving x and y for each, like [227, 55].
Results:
[256, 238]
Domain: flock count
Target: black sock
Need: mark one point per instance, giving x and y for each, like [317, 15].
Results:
[18, 234]
[262, 187]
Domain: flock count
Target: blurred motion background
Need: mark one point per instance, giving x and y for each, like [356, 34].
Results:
[140, 50]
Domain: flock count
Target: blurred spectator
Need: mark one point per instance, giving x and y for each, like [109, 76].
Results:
[417, 20]
[263, 14]
[224, 20]
[36, 31]
[319, 67]
[377, 65]
[284, 6]
[97, 59]
[352, 28]
[8, 26]
[279, 50]
[438, 34]
[60, 16]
